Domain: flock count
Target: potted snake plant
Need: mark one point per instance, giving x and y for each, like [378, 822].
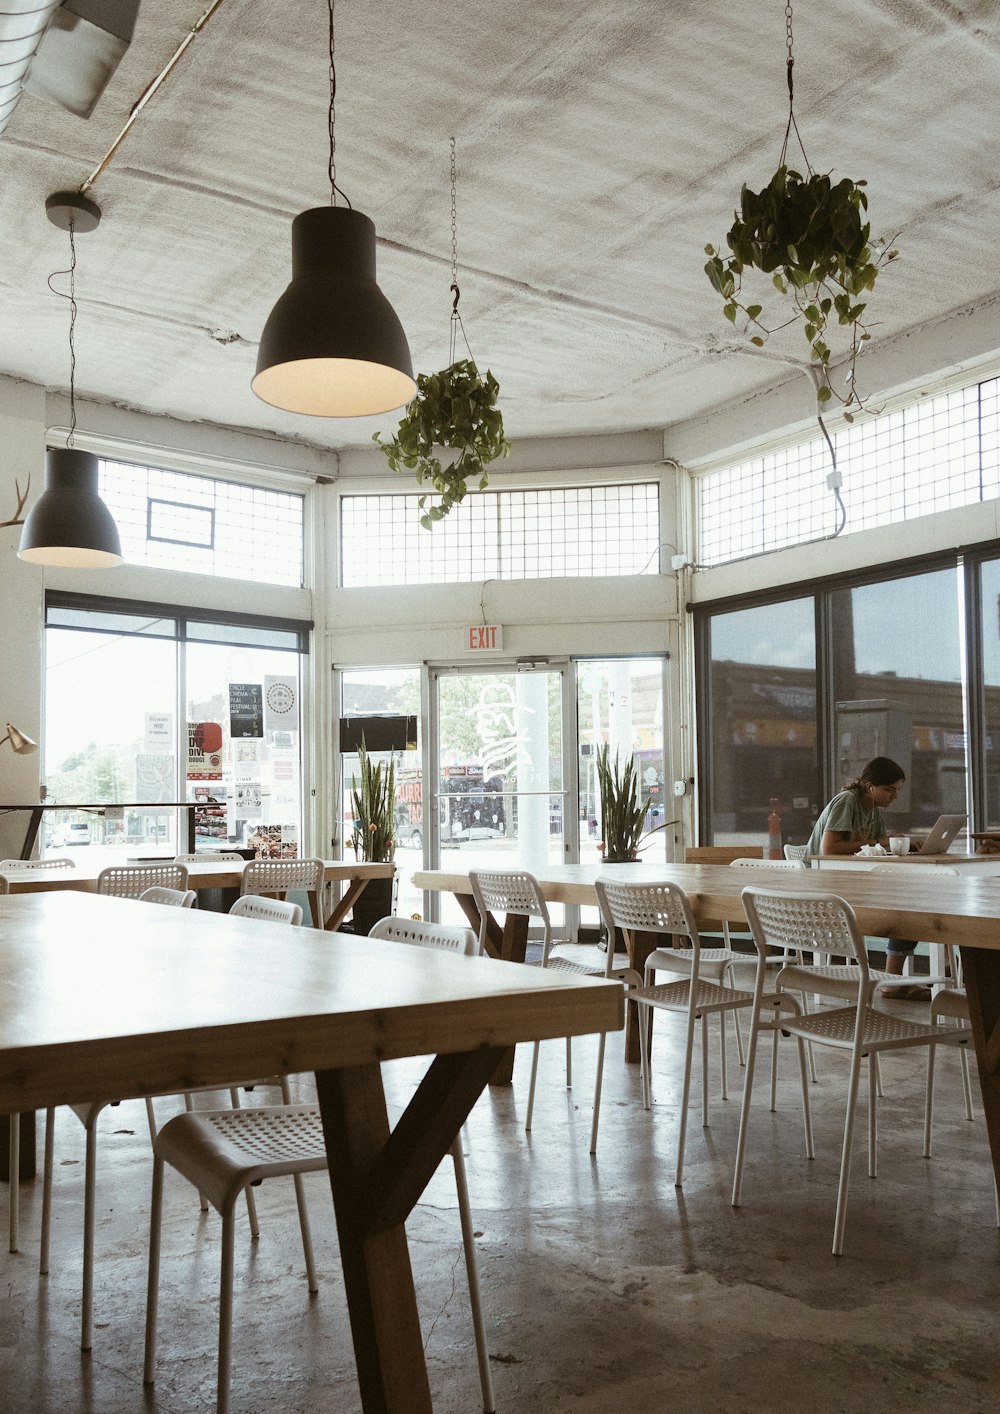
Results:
[623, 807]
[373, 838]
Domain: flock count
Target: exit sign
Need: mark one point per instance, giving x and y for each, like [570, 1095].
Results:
[484, 638]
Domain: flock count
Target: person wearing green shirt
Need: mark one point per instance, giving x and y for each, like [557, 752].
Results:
[854, 818]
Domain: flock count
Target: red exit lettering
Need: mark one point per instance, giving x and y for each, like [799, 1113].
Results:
[482, 638]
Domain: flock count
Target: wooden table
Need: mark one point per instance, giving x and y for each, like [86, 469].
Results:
[106, 997]
[217, 875]
[939, 908]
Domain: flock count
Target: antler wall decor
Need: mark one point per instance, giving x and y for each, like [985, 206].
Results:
[22, 496]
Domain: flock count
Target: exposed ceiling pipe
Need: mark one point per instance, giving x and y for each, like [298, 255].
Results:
[22, 24]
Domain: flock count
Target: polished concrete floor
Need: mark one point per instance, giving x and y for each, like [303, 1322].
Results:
[604, 1286]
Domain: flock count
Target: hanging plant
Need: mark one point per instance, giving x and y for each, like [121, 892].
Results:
[454, 409]
[810, 236]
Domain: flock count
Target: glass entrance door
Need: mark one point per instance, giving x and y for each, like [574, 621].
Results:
[497, 769]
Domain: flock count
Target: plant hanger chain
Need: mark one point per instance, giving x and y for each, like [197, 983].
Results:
[71, 272]
[789, 68]
[456, 318]
[331, 118]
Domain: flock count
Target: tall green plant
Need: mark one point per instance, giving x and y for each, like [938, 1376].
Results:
[623, 808]
[374, 802]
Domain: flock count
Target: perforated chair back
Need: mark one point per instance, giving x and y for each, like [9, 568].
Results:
[278, 876]
[215, 856]
[768, 864]
[928, 871]
[509, 891]
[448, 937]
[646, 908]
[60, 862]
[130, 880]
[270, 910]
[796, 851]
[174, 898]
[798, 923]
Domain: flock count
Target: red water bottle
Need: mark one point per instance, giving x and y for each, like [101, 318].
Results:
[774, 832]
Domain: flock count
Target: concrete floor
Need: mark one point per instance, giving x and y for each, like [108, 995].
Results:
[604, 1286]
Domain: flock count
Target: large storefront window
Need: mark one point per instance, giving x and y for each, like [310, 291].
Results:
[146, 709]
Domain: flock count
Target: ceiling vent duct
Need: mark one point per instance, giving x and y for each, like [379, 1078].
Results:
[79, 52]
[22, 23]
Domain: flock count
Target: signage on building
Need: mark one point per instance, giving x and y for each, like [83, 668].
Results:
[483, 638]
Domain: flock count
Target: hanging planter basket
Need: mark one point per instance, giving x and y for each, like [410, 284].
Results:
[454, 410]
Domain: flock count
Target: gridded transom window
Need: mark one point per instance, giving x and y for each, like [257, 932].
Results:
[585, 530]
[176, 521]
[938, 454]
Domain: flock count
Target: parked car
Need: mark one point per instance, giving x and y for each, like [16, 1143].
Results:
[76, 832]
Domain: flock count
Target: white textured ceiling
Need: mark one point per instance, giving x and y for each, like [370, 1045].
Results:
[600, 146]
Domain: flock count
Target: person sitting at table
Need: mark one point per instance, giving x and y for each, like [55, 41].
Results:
[854, 818]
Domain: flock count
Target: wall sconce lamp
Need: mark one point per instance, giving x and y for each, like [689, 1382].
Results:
[20, 743]
[69, 524]
[333, 345]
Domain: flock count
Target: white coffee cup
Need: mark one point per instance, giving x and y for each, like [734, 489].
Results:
[899, 844]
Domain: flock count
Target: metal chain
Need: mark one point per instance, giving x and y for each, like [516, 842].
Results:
[72, 338]
[456, 318]
[788, 46]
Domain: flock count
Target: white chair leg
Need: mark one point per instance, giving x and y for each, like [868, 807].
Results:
[722, 1054]
[741, 1143]
[531, 1087]
[153, 1279]
[472, 1272]
[569, 1063]
[13, 1176]
[775, 1037]
[872, 1116]
[963, 1052]
[929, 1101]
[307, 1247]
[601, 1046]
[644, 1058]
[226, 1312]
[846, 1154]
[704, 1072]
[685, 1096]
[151, 1120]
[804, 1085]
[43, 1245]
[89, 1223]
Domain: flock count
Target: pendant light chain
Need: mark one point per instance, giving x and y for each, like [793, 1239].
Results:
[331, 115]
[789, 68]
[456, 318]
[71, 272]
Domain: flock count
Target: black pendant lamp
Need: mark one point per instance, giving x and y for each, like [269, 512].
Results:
[333, 345]
[69, 524]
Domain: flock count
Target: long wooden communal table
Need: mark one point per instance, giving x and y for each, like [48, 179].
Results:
[938, 908]
[354, 875]
[109, 998]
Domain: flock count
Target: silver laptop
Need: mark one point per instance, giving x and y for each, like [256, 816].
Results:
[945, 828]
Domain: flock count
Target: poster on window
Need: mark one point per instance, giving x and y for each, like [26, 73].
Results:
[154, 778]
[281, 703]
[210, 821]
[159, 739]
[204, 751]
[246, 709]
[274, 841]
[247, 800]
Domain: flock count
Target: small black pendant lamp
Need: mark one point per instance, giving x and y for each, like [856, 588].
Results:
[333, 345]
[69, 524]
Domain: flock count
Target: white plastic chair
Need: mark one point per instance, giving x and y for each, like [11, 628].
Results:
[515, 891]
[797, 853]
[795, 921]
[269, 910]
[130, 880]
[60, 862]
[664, 908]
[223, 1152]
[464, 941]
[176, 898]
[278, 876]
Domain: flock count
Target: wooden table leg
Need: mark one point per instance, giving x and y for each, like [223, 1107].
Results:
[981, 974]
[352, 892]
[376, 1177]
[642, 944]
[509, 943]
[26, 1156]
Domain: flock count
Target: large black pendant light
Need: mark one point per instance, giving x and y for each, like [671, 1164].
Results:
[69, 524]
[333, 345]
